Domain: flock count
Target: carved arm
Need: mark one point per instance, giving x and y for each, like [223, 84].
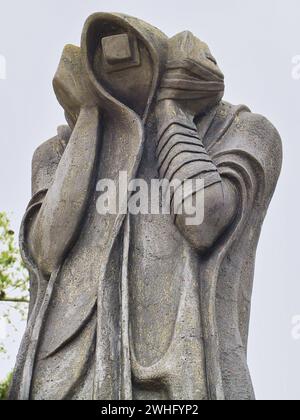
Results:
[56, 223]
[181, 156]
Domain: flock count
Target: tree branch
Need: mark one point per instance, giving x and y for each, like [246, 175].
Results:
[13, 300]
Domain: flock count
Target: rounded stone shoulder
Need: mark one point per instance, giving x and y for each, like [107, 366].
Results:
[46, 159]
[256, 135]
[53, 146]
[266, 138]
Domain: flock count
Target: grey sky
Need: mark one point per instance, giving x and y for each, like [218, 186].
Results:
[254, 42]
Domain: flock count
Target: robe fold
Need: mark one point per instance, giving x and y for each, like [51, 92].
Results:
[218, 287]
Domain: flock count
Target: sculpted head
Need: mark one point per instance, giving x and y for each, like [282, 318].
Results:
[124, 60]
[192, 74]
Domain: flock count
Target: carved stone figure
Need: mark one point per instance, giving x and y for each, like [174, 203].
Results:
[143, 306]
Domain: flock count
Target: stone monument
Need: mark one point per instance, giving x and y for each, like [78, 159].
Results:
[147, 305]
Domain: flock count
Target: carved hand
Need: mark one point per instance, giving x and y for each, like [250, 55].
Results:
[192, 79]
[71, 85]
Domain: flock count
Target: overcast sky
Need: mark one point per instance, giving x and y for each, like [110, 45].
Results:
[255, 42]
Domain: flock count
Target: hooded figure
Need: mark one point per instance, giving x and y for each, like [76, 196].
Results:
[143, 306]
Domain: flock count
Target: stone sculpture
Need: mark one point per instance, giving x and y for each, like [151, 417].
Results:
[143, 306]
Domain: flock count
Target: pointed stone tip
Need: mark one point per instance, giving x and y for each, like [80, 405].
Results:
[183, 36]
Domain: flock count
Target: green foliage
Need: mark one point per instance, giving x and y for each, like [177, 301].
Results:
[4, 386]
[13, 276]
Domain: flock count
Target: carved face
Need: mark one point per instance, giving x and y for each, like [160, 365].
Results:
[123, 65]
[186, 47]
[119, 60]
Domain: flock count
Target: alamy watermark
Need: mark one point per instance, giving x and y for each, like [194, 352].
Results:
[161, 197]
[296, 67]
[3, 70]
[296, 327]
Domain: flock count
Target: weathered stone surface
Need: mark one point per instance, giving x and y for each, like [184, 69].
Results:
[144, 306]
